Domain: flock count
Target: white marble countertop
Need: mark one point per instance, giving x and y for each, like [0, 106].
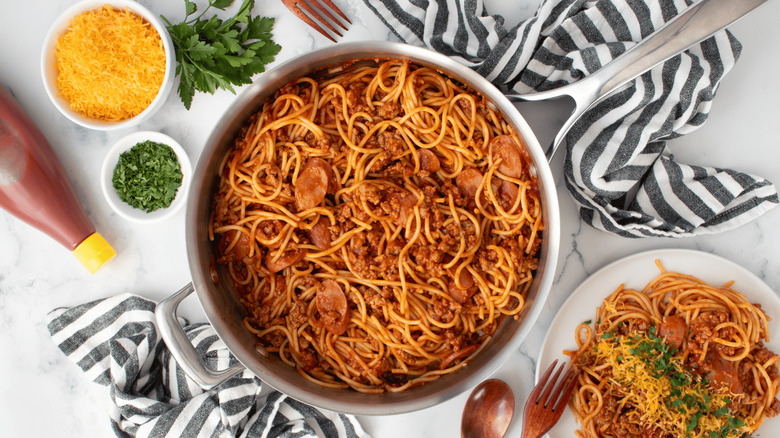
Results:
[44, 394]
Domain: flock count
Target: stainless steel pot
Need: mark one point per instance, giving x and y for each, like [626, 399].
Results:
[226, 314]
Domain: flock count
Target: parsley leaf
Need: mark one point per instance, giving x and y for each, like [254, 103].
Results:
[213, 54]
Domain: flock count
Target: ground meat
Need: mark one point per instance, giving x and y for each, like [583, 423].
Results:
[428, 261]
[512, 246]
[762, 355]
[746, 378]
[773, 409]
[322, 142]
[380, 368]
[702, 330]
[444, 310]
[343, 213]
[616, 423]
[381, 163]
[398, 205]
[407, 358]
[355, 101]
[465, 105]
[275, 338]
[360, 256]
[370, 193]
[449, 189]
[487, 259]
[607, 412]
[297, 316]
[269, 229]
[308, 359]
[389, 111]
[376, 301]
[399, 168]
[654, 432]
[223, 213]
[302, 282]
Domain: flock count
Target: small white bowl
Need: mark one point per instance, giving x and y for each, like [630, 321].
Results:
[126, 210]
[49, 63]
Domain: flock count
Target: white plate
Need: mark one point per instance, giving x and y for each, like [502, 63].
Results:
[635, 272]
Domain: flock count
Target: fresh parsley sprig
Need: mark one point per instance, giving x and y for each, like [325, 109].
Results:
[212, 53]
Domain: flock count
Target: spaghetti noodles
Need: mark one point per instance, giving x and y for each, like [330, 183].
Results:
[378, 225]
[681, 358]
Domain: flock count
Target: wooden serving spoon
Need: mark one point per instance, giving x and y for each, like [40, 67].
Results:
[488, 410]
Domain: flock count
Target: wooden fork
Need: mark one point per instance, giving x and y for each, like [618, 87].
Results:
[303, 9]
[544, 409]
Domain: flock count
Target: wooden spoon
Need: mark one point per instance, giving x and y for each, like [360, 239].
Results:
[488, 410]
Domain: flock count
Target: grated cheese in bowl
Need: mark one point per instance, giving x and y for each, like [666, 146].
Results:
[111, 64]
[107, 65]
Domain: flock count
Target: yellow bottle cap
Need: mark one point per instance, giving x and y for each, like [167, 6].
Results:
[94, 252]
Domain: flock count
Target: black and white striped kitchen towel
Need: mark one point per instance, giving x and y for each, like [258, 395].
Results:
[116, 343]
[617, 165]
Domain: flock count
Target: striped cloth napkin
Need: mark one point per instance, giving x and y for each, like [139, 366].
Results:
[617, 164]
[116, 344]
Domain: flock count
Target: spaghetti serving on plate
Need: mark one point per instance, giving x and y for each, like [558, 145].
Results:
[378, 222]
[680, 358]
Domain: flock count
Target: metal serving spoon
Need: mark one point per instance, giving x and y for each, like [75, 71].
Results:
[695, 24]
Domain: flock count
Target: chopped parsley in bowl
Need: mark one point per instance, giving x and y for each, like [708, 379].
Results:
[145, 176]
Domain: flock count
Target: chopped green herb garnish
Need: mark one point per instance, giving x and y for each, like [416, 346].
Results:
[147, 176]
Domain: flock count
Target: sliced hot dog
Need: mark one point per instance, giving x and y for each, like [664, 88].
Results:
[505, 147]
[320, 233]
[468, 181]
[429, 162]
[507, 194]
[673, 329]
[461, 295]
[312, 183]
[333, 307]
[239, 250]
[289, 258]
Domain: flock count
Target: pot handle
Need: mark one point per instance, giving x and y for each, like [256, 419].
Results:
[182, 349]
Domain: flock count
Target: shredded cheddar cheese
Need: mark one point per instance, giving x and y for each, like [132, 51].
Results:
[666, 403]
[110, 63]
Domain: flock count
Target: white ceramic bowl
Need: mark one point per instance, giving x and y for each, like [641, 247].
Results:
[49, 66]
[126, 210]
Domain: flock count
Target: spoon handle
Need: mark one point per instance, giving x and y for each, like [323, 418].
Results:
[695, 24]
